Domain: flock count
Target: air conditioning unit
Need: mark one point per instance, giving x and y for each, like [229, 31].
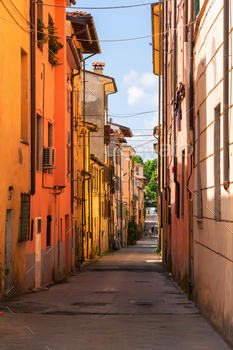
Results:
[48, 157]
[68, 141]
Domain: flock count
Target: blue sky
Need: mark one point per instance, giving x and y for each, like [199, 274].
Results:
[130, 63]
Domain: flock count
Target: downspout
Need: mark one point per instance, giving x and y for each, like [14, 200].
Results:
[100, 209]
[72, 172]
[72, 146]
[33, 96]
[225, 95]
[189, 102]
[165, 129]
[159, 156]
[121, 203]
[177, 196]
[84, 145]
[55, 224]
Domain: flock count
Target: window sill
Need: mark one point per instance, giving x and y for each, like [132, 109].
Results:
[24, 142]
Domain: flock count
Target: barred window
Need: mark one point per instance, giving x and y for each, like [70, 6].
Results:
[24, 220]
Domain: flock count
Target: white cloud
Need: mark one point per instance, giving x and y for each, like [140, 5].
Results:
[142, 90]
[150, 124]
[136, 95]
[148, 80]
[131, 77]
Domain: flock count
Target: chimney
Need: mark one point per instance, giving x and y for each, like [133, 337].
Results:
[98, 67]
[110, 120]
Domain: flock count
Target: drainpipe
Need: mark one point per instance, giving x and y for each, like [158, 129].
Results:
[225, 95]
[159, 157]
[100, 211]
[33, 95]
[177, 201]
[55, 224]
[189, 102]
[84, 145]
[72, 146]
[165, 129]
[121, 203]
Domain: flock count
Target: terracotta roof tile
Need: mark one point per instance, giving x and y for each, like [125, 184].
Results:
[78, 13]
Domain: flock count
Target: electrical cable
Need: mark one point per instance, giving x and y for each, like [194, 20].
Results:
[19, 12]
[104, 41]
[101, 8]
[129, 115]
[16, 23]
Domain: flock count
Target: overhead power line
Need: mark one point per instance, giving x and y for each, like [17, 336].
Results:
[103, 41]
[101, 8]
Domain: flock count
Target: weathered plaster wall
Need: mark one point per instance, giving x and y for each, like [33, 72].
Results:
[213, 241]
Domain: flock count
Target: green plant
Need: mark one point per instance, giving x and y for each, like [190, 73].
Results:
[92, 252]
[54, 45]
[191, 296]
[126, 213]
[99, 254]
[158, 250]
[53, 41]
[134, 232]
[42, 37]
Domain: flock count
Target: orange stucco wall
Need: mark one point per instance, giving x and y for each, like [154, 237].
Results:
[51, 105]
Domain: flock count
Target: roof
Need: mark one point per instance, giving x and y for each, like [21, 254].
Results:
[129, 146]
[84, 25]
[124, 129]
[92, 127]
[135, 164]
[111, 85]
[98, 161]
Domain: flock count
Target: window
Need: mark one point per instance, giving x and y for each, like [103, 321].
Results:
[49, 43]
[117, 210]
[199, 189]
[75, 178]
[24, 220]
[68, 161]
[24, 96]
[183, 187]
[94, 179]
[171, 76]
[137, 171]
[50, 141]
[217, 198]
[197, 7]
[49, 219]
[117, 183]
[39, 149]
[40, 10]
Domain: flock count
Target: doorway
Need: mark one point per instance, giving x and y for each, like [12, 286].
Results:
[8, 249]
[38, 279]
[67, 243]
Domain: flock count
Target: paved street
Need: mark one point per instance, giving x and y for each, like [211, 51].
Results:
[124, 300]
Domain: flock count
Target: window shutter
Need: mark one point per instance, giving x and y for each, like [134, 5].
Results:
[24, 221]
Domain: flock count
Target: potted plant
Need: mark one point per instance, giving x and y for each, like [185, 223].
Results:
[92, 253]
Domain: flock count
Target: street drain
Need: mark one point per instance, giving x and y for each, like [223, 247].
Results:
[143, 281]
[89, 304]
[145, 301]
[108, 292]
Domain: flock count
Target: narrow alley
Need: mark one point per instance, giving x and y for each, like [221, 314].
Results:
[124, 300]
